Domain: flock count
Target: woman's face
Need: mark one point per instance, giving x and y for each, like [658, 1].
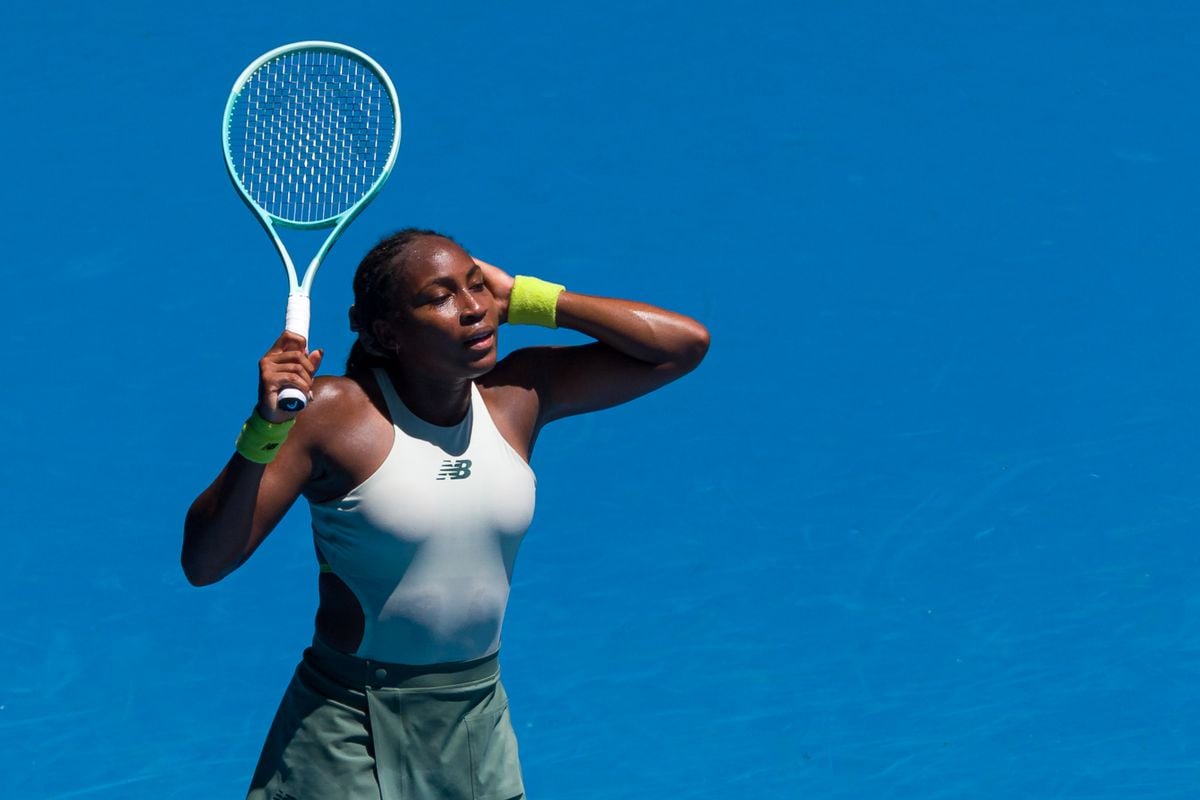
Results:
[444, 319]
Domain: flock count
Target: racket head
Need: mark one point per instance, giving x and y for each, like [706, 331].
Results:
[310, 133]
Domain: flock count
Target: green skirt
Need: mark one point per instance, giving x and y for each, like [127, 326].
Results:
[353, 728]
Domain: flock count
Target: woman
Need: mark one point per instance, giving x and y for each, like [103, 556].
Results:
[415, 467]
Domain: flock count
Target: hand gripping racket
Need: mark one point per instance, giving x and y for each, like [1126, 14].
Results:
[310, 133]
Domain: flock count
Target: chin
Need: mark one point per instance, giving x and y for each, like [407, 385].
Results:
[483, 365]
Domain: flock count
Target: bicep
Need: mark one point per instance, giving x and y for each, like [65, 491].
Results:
[593, 377]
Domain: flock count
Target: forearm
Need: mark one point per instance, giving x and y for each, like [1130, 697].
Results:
[642, 331]
[220, 524]
[230, 518]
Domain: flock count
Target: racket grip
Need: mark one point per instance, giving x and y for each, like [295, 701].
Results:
[298, 309]
[296, 321]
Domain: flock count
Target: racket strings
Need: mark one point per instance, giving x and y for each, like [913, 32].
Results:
[311, 133]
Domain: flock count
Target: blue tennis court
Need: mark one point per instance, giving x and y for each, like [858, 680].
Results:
[922, 525]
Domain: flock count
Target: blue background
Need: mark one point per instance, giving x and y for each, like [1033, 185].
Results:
[922, 525]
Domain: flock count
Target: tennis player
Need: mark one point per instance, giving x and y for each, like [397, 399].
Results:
[415, 465]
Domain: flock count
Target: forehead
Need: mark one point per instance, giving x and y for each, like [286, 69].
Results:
[433, 257]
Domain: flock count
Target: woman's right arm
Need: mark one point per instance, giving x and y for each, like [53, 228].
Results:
[236, 512]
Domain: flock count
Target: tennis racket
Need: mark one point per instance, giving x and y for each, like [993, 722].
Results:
[310, 133]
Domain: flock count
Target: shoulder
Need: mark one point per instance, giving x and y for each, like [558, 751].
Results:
[520, 371]
[334, 389]
[532, 373]
[524, 367]
[338, 402]
[512, 392]
[346, 433]
[336, 394]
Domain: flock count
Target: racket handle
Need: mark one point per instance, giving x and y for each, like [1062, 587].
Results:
[296, 321]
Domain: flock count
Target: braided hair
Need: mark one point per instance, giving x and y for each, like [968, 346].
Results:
[374, 287]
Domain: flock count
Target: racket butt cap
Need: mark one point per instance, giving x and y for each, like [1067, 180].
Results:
[292, 400]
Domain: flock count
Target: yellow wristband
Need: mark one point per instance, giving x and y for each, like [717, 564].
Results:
[534, 302]
[259, 441]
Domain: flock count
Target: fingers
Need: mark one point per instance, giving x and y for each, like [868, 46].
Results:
[492, 273]
[287, 364]
[291, 357]
[288, 341]
[499, 283]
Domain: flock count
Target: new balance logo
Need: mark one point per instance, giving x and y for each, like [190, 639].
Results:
[454, 470]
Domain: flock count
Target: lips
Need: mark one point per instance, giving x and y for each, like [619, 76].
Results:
[480, 341]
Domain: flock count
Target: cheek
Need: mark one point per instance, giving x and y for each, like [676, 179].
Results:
[432, 330]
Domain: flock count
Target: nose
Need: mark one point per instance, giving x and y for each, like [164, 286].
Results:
[472, 307]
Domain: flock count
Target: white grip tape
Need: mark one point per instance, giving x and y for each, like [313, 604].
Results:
[297, 319]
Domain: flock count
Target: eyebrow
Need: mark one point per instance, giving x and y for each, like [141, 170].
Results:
[448, 282]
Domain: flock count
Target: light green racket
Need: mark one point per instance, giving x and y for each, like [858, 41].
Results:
[310, 133]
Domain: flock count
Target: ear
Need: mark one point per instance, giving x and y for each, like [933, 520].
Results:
[385, 336]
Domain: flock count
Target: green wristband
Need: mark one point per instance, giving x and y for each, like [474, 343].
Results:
[534, 302]
[259, 440]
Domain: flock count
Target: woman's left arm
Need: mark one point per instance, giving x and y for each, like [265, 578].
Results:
[646, 333]
[638, 348]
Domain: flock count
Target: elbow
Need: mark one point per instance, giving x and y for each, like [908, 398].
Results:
[196, 579]
[695, 347]
[199, 568]
[195, 572]
[205, 574]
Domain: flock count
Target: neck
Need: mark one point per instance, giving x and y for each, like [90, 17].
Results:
[436, 400]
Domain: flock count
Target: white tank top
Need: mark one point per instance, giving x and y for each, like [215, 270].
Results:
[427, 543]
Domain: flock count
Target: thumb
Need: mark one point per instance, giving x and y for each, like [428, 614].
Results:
[317, 356]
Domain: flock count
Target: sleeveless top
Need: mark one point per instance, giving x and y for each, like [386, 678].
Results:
[427, 543]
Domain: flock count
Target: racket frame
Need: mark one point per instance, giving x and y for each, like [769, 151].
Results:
[300, 288]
